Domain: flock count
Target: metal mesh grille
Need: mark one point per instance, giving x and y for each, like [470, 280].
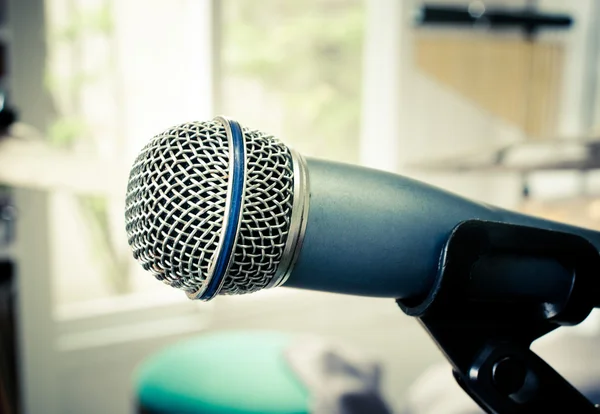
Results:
[175, 203]
[266, 216]
[176, 200]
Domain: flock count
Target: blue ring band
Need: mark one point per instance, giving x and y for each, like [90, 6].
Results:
[235, 210]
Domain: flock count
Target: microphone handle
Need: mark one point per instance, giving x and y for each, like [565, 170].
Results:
[372, 233]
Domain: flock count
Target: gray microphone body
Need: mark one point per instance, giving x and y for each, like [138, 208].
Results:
[373, 233]
[215, 208]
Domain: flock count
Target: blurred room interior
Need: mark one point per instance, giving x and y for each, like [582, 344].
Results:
[508, 116]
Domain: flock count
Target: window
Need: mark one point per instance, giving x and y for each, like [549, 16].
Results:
[293, 69]
[116, 80]
[290, 68]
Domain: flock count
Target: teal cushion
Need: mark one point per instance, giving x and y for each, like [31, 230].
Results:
[233, 373]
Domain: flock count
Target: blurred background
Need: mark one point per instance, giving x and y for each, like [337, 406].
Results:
[507, 115]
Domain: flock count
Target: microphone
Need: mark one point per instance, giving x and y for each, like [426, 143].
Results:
[217, 208]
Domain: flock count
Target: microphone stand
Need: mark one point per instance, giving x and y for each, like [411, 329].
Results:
[485, 321]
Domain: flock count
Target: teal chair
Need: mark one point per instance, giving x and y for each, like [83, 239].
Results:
[221, 373]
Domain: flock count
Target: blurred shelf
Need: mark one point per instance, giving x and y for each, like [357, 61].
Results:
[32, 163]
[530, 156]
[476, 14]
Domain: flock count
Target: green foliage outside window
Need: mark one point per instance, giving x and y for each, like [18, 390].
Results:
[70, 129]
[309, 53]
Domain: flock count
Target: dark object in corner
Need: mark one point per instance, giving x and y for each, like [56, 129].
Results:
[9, 395]
[7, 117]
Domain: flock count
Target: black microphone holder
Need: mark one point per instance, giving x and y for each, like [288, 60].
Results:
[483, 312]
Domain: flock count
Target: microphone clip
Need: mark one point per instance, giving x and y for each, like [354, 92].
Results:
[498, 288]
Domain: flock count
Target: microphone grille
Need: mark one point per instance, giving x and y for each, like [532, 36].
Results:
[175, 202]
[178, 202]
[265, 221]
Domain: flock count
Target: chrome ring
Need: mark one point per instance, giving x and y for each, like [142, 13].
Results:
[298, 221]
